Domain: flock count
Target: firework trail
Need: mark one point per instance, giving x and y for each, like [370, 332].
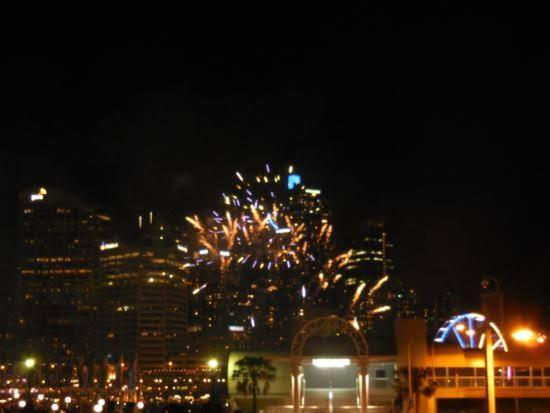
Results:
[263, 229]
[259, 228]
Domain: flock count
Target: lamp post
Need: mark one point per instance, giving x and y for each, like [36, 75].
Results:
[29, 364]
[489, 371]
[486, 284]
[489, 354]
[411, 406]
[212, 366]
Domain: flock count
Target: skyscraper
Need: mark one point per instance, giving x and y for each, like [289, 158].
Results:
[141, 291]
[59, 238]
[444, 306]
[306, 205]
[370, 261]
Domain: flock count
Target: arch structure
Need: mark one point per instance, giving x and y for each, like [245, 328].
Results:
[470, 331]
[324, 327]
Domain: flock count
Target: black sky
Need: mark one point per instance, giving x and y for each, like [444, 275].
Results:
[430, 117]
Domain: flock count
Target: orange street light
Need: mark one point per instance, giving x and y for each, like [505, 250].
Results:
[523, 335]
[528, 336]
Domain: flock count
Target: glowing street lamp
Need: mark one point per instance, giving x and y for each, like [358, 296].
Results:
[213, 364]
[140, 405]
[523, 335]
[527, 336]
[29, 363]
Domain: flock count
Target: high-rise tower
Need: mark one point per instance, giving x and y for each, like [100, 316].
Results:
[371, 260]
[59, 239]
[142, 292]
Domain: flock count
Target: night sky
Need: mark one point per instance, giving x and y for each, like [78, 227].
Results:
[428, 117]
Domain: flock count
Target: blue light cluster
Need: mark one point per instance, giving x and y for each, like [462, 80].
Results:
[293, 180]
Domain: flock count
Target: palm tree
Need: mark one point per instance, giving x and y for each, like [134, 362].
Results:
[422, 383]
[249, 372]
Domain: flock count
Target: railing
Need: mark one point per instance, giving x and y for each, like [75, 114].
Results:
[479, 381]
[505, 376]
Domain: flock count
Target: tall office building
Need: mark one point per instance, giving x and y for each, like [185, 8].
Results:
[445, 305]
[371, 260]
[403, 300]
[142, 293]
[372, 257]
[59, 238]
[306, 205]
[282, 303]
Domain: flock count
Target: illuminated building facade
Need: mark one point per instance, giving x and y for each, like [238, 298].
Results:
[308, 206]
[219, 315]
[142, 293]
[449, 373]
[403, 300]
[59, 240]
[281, 303]
[370, 261]
[373, 255]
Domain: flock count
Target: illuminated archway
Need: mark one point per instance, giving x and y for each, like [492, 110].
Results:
[469, 331]
[324, 327]
[328, 326]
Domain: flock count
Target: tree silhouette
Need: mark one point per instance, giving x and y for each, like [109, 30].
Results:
[250, 371]
[422, 382]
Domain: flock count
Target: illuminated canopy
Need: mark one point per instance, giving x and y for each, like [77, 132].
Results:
[331, 363]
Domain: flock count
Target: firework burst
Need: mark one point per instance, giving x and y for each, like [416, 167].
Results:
[272, 226]
[259, 229]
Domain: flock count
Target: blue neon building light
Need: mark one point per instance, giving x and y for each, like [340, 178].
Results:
[293, 180]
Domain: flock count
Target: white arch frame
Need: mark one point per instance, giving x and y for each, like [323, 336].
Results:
[467, 337]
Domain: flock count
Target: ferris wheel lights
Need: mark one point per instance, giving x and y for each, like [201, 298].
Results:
[481, 341]
[467, 330]
[501, 337]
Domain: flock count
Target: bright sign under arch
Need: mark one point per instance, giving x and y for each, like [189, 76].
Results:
[469, 331]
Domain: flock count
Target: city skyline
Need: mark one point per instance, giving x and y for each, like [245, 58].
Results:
[426, 130]
[408, 234]
[226, 209]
